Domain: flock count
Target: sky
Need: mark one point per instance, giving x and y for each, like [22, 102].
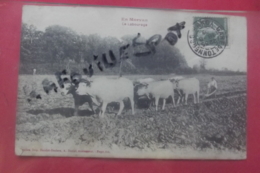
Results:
[108, 21]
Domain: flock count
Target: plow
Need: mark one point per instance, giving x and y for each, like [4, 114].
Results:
[218, 103]
[209, 97]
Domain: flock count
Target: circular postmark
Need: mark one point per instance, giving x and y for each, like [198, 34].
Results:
[208, 38]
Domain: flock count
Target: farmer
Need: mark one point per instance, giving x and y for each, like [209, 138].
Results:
[34, 71]
[212, 86]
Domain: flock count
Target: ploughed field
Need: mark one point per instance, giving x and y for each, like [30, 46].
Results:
[217, 123]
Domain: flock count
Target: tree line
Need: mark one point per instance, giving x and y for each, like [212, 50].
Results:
[60, 47]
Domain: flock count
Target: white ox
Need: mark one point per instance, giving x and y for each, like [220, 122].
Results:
[158, 89]
[109, 90]
[179, 92]
[188, 86]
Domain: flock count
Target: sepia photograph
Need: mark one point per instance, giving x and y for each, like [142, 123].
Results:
[131, 83]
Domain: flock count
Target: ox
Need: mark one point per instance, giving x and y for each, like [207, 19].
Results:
[31, 93]
[48, 86]
[108, 90]
[188, 86]
[158, 89]
[68, 87]
[140, 83]
[179, 92]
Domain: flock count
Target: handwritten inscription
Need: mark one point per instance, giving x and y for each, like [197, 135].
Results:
[134, 22]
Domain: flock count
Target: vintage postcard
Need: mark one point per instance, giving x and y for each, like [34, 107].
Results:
[131, 83]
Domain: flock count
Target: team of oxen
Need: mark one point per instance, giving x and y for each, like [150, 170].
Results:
[101, 91]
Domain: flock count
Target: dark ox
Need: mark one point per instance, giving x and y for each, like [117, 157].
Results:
[48, 86]
[143, 101]
[68, 86]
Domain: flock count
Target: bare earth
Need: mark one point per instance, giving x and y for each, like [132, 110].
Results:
[204, 130]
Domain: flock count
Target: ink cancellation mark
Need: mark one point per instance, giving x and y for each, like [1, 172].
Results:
[208, 38]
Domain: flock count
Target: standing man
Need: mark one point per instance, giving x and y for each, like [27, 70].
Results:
[34, 71]
[212, 86]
